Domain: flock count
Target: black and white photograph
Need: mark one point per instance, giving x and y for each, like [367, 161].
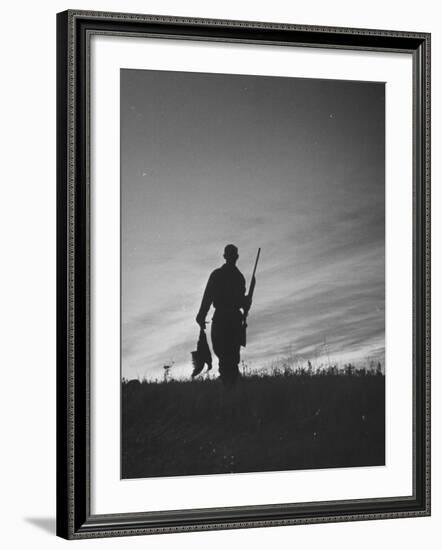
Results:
[252, 273]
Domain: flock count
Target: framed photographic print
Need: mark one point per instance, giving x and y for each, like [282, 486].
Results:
[243, 274]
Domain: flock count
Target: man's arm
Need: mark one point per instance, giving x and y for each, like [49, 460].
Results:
[206, 302]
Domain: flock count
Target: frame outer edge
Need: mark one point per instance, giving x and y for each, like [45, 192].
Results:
[62, 281]
[68, 507]
[427, 268]
[71, 75]
[186, 20]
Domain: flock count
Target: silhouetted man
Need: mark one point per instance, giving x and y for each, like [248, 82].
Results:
[226, 291]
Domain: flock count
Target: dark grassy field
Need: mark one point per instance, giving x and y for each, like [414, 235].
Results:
[264, 424]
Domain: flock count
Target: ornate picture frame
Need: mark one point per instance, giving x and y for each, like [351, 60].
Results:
[75, 517]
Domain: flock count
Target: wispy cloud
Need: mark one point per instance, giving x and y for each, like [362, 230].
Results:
[309, 190]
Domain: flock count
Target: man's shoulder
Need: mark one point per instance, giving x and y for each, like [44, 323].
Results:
[239, 273]
[216, 272]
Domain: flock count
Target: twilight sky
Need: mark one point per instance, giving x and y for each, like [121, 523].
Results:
[295, 166]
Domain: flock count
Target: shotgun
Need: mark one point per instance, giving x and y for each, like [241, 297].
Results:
[250, 297]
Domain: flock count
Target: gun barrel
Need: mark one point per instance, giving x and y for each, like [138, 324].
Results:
[250, 294]
[252, 280]
[256, 262]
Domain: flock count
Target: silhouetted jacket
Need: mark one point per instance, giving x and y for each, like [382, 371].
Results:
[225, 290]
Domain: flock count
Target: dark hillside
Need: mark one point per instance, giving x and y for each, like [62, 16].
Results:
[266, 423]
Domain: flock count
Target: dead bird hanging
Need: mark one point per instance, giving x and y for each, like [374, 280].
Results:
[201, 356]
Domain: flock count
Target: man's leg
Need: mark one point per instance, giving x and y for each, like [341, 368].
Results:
[218, 345]
[228, 370]
[226, 345]
[224, 371]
